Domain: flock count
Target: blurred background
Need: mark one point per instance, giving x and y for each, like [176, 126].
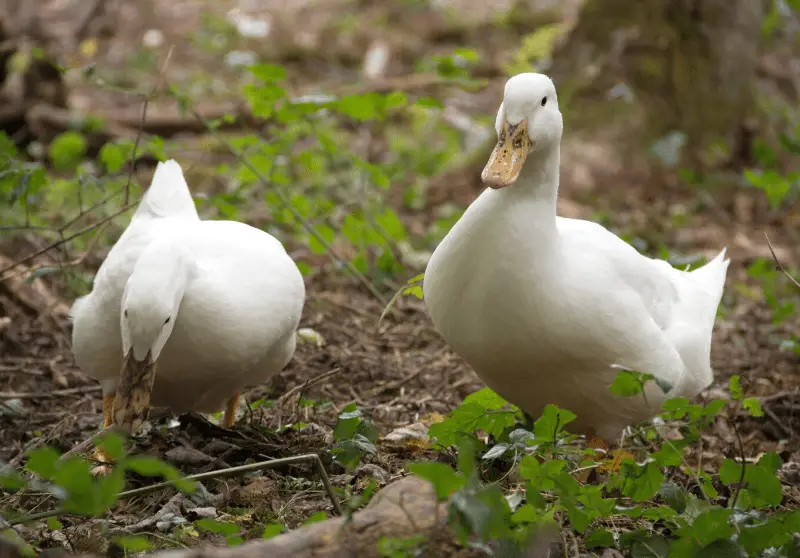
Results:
[355, 131]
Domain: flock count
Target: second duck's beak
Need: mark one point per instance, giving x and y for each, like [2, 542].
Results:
[132, 403]
[508, 156]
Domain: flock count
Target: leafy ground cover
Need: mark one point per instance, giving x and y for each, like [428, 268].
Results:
[361, 171]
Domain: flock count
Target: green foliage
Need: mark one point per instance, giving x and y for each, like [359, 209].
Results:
[354, 436]
[395, 547]
[747, 522]
[322, 187]
[133, 544]
[228, 530]
[273, 530]
[67, 150]
[78, 491]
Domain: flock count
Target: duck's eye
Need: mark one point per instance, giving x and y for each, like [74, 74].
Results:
[167, 320]
[125, 313]
[544, 101]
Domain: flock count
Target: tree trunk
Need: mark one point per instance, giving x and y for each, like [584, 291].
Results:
[688, 66]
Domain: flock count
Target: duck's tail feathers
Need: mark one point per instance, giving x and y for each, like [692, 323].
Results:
[691, 331]
[713, 273]
[168, 194]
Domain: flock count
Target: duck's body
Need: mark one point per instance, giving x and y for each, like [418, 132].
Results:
[232, 296]
[542, 307]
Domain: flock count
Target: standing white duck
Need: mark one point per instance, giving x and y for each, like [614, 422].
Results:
[542, 307]
[212, 305]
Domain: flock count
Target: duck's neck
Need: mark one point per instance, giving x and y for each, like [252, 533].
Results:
[538, 183]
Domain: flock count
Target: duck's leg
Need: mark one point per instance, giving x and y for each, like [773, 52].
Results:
[614, 462]
[108, 419]
[230, 411]
[594, 444]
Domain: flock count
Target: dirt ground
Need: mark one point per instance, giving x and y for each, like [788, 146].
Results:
[400, 372]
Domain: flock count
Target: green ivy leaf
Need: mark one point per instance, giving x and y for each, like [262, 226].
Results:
[359, 107]
[486, 511]
[628, 383]
[735, 387]
[643, 484]
[600, 538]
[444, 479]
[496, 451]
[112, 157]
[42, 461]
[327, 233]
[219, 527]
[711, 526]
[133, 544]
[273, 530]
[67, 150]
[673, 495]
[268, 73]
[753, 406]
[552, 422]
[316, 518]
[730, 472]
[486, 398]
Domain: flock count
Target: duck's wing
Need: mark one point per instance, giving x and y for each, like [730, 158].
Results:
[661, 310]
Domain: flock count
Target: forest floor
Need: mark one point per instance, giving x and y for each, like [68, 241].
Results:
[399, 372]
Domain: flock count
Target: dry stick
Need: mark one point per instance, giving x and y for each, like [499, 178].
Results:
[87, 443]
[47, 394]
[75, 261]
[780, 265]
[156, 87]
[308, 383]
[287, 204]
[65, 239]
[230, 471]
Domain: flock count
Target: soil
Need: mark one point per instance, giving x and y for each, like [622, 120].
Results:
[399, 372]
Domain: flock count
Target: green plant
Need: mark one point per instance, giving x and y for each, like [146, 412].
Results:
[737, 511]
[354, 436]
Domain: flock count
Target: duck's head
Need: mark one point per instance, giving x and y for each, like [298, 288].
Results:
[528, 121]
[150, 304]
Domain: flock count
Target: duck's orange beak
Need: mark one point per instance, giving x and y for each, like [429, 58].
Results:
[508, 155]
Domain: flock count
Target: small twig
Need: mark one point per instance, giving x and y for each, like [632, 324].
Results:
[744, 463]
[66, 239]
[140, 133]
[779, 264]
[86, 444]
[221, 473]
[779, 395]
[302, 387]
[788, 432]
[396, 384]
[46, 394]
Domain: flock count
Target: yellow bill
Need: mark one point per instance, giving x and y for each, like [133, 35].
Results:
[508, 156]
[132, 402]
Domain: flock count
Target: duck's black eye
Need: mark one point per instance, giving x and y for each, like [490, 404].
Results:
[167, 320]
[125, 313]
[544, 101]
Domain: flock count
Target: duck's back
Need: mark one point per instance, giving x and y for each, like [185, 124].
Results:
[237, 320]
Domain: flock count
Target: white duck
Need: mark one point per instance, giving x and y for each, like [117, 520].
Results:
[543, 306]
[214, 305]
